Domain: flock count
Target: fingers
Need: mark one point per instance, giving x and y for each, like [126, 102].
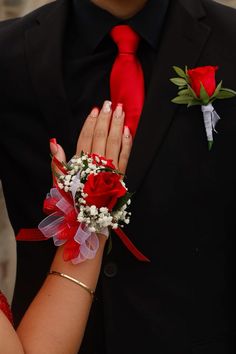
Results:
[101, 129]
[103, 133]
[86, 136]
[114, 139]
[57, 150]
[125, 150]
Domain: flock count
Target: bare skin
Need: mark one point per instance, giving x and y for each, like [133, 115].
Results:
[121, 8]
[57, 317]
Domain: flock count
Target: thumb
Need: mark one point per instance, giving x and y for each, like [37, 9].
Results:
[57, 150]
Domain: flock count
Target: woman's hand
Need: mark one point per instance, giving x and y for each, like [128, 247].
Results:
[103, 133]
[61, 308]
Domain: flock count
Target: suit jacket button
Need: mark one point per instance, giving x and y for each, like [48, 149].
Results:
[110, 269]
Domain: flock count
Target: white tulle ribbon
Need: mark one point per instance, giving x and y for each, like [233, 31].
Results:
[210, 120]
[52, 226]
[89, 243]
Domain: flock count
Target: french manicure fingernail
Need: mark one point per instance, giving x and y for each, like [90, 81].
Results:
[119, 110]
[106, 107]
[126, 132]
[94, 112]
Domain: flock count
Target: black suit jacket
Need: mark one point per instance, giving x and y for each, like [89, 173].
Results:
[184, 206]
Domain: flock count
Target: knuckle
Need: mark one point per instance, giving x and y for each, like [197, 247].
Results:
[87, 134]
[127, 142]
[117, 122]
[124, 156]
[90, 119]
[114, 140]
[104, 117]
[90, 122]
[100, 133]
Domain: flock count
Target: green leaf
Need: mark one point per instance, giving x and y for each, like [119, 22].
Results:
[179, 72]
[56, 174]
[182, 100]
[225, 94]
[204, 95]
[194, 103]
[178, 81]
[193, 92]
[212, 99]
[66, 165]
[217, 90]
[185, 92]
[228, 90]
[122, 201]
[109, 247]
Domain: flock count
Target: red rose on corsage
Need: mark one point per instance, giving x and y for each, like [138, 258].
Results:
[198, 87]
[103, 190]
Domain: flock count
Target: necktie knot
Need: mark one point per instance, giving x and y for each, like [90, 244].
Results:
[126, 39]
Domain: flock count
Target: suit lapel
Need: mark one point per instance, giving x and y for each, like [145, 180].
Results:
[44, 54]
[182, 43]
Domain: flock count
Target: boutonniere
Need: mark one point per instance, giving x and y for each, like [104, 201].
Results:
[198, 87]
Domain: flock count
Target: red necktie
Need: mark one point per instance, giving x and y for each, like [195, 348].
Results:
[126, 81]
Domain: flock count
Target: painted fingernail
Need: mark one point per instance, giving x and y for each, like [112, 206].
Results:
[119, 110]
[53, 146]
[53, 141]
[94, 112]
[106, 107]
[126, 132]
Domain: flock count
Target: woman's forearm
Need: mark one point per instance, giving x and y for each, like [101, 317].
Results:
[56, 319]
[9, 341]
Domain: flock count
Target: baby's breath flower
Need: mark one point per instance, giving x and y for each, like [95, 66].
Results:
[96, 219]
[93, 210]
[103, 210]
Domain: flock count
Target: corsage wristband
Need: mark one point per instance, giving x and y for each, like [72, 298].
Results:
[89, 197]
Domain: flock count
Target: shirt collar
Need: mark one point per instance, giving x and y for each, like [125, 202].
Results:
[94, 23]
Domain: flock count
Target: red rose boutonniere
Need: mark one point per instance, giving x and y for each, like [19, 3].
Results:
[198, 87]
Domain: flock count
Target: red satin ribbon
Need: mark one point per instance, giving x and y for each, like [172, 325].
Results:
[36, 235]
[131, 247]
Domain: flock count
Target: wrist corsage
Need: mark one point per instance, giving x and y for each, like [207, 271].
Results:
[89, 197]
[198, 87]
